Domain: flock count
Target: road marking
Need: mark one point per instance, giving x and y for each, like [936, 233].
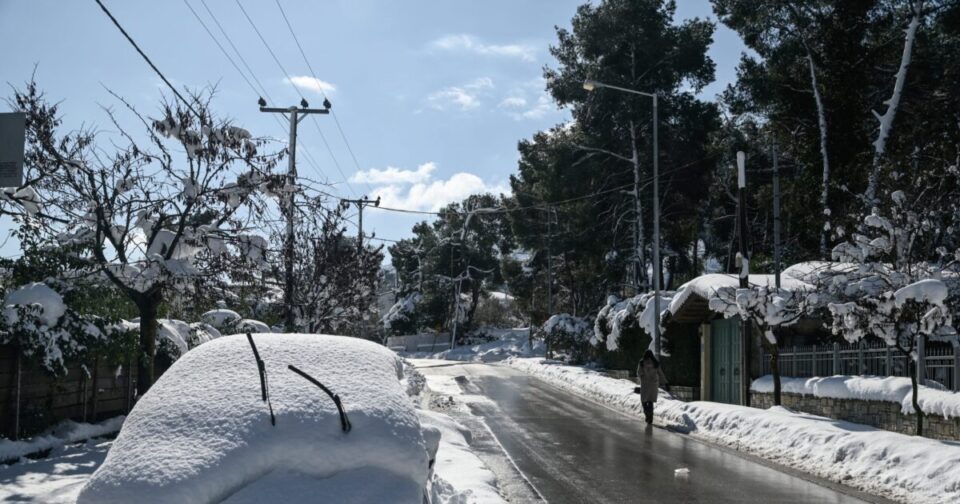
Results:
[512, 462]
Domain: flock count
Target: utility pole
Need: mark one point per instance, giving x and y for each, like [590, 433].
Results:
[744, 276]
[656, 232]
[361, 204]
[294, 115]
[550, 214]
[776, 215]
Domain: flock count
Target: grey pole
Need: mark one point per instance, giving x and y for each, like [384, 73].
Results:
[656, 232]
[744, 276]
[776, 215]
[549, 265]
[293, 114]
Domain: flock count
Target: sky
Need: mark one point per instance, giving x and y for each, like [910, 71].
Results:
[432, 96]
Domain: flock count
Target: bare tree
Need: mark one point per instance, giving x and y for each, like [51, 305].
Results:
[146, 208]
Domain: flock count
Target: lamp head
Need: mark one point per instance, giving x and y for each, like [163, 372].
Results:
[589, 85]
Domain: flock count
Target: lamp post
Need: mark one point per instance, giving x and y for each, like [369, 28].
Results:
[591, 85]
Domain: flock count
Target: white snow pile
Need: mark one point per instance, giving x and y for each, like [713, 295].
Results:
[253, 326]
[226, 321]
[896, 389]
[203, 434]
[905, 468]
[221, 318]
[570, 326]
[47, 302]
[63, 433]
[460, 477]
[813, 272]
[512, 343]
[175, 334]
[929, 290]
[706, 285]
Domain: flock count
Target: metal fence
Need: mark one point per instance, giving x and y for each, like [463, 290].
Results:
[940, 364]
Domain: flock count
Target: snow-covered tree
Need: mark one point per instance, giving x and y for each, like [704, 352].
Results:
[146, 209]
[401, 318]
[568, 334]
[35, 318]
[904, 254]
[335, 284]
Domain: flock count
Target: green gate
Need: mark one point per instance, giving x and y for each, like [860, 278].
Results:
[725, 347]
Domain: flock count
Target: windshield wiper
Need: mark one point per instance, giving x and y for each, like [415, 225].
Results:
[264, 384]
[344, 421]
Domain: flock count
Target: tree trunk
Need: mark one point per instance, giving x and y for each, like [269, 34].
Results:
[148, 305]
[824, 190]
[914, 398]
[638, 232]
[96, 379]
[475, 298]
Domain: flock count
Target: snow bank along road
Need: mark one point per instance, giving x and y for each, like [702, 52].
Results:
[575, 450]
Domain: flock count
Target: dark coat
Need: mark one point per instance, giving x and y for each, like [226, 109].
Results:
[651, 378]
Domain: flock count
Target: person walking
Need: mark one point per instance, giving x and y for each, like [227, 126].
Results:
[651, 379]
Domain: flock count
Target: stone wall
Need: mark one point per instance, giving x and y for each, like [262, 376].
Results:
[880, 414]
[685, 394]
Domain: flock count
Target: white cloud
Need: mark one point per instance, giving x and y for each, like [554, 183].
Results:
[416, 189]
[543, 107]
[464, 97]
[466, 42]
[310, 84]
[513, 102]
[393, 175]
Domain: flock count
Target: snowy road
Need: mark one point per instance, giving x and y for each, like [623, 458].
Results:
[574, 450]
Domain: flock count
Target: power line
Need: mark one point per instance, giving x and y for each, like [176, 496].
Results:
[290, 79]
[262, 91]
[154, 67]
[336, 121]
[544, 205]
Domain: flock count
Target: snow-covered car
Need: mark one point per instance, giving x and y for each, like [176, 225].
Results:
[204, 433]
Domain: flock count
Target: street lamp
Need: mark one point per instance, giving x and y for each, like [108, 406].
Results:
[591, 85]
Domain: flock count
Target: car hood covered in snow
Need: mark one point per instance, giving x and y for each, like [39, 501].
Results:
[202, 433]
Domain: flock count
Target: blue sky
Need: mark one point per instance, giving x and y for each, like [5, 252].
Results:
[433, 95]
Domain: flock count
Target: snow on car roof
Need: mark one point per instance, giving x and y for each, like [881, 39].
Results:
[202, 432]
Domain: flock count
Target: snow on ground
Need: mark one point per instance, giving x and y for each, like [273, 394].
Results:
[56, 479]
[64, 433]
[895, 389]
[202, 432]
[511, 343]
[461, 477]
[905, 468]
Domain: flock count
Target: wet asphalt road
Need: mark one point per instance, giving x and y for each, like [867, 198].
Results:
[574, 450]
